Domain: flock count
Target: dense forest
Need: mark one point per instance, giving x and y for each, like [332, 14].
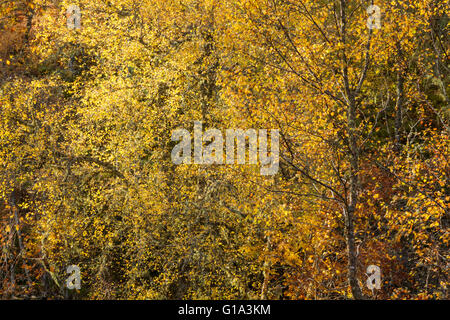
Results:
[91, 93]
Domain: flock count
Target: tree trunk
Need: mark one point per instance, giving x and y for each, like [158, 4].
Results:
[352, 202]
[354, 165]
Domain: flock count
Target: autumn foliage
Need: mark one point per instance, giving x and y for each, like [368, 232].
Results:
[86, 176]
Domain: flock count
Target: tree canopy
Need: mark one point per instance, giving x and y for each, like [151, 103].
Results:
[87, 179]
